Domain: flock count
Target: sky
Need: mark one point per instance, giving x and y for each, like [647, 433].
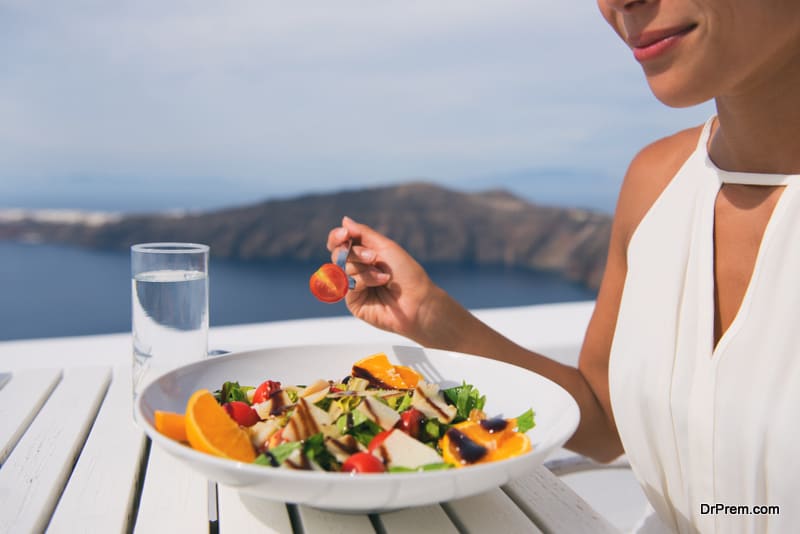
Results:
[195, 104]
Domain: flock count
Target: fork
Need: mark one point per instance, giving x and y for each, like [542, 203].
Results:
[341, 261]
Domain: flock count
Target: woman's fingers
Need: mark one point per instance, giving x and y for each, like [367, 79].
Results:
[367, 276]
[363, 254]
[361, 232]
[337, 237]
[358, 254]
[351, 230]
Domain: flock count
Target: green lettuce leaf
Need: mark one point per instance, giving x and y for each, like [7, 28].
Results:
[358, 425]
[284, 450]
[465, 398]
[315, 450]
[232, 391]
[263, 459]
[525, 421]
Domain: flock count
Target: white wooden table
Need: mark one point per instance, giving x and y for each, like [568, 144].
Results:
[71, 459]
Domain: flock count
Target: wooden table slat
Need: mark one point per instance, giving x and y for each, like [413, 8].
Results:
[417, 520]
[100, 492]
[37, 469]
[491, 511]
[21, 398]
[316, 521]
[174, 497]
[239, 512]
[555, 506]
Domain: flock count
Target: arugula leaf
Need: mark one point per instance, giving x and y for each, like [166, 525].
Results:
[232, 391]
[324, 403]
[400, 404]
[348, 404]
[465, 398]
[365, 432]
[434, 429]
[525, 421]
[284, 450]
[313, 444]
[315, 450]
[263, 459]
[347, 421]
[358, 425]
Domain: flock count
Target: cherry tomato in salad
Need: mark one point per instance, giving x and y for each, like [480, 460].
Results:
[329, 283]
[379, 438]
[363, 462]
[265, 391]
[412, 421]
[242, 413]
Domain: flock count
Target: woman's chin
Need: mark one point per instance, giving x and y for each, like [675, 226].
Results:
[677, 92]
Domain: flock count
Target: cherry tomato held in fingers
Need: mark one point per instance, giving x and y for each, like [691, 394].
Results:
[379, 438]
[329, 283]
[242, 413]
[363, 462]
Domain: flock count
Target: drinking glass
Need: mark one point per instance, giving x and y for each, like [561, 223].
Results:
[169, 293]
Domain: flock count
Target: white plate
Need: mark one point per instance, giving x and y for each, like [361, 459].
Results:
[509, 392]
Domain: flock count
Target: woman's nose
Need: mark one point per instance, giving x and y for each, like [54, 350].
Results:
[622, 5]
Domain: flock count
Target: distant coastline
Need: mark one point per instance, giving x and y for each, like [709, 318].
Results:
[437, 225]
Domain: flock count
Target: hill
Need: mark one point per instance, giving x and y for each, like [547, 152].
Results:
[437, 225]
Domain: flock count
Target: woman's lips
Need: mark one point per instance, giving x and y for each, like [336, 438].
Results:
[649, 45]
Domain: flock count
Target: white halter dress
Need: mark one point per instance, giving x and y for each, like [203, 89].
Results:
[706, 427]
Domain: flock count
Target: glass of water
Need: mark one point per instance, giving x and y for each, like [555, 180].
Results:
[169, 293]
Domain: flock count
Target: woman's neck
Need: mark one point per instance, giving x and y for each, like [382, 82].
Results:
[758, 126]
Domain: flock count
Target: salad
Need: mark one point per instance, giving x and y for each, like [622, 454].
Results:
[380, 418]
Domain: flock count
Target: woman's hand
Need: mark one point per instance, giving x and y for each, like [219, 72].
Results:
[393, 292]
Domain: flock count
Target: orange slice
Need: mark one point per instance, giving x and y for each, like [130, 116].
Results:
[171, 424]
[381, 373]
[409, 376]
[498, 444]
[210, 429]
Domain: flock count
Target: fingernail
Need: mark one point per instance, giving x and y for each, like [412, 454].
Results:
[367, 255]
[341, 233]
[348, 219]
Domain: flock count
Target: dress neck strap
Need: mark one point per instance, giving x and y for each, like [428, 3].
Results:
[734, 177]
[705, 135]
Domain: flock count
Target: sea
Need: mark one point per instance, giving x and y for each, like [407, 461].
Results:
[49, 290]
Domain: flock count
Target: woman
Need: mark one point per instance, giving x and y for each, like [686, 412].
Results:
[691, 361]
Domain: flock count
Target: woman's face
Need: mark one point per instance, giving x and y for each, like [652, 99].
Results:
[695, 50]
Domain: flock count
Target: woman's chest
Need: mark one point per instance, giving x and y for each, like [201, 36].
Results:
[741, 216]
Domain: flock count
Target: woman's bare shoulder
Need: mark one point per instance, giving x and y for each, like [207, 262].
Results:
[649, 173]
